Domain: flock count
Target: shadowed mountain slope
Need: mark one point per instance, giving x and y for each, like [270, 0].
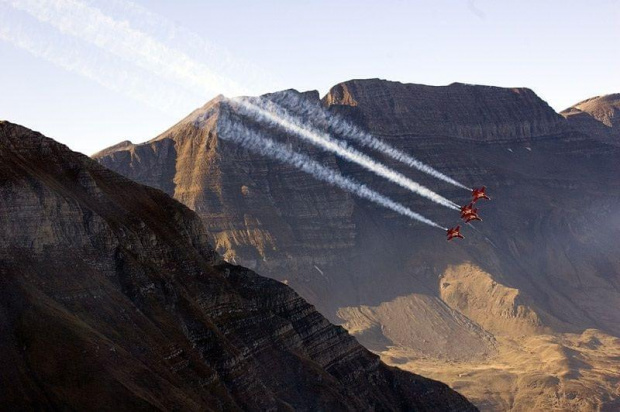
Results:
[111, 298]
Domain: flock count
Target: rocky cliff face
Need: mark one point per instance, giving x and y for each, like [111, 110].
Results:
[261, 214]
[542, 264]
[464, 111]
[111, 298]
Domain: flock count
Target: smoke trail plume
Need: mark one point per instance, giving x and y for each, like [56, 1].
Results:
[306, 110]
[240, 134]
[278, 116]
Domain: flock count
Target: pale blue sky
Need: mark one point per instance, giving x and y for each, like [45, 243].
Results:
[88, 91]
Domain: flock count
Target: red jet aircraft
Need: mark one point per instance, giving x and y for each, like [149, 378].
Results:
[479, 194]
[454, 232]
[468, 213]
[465, 210]
[471, 216]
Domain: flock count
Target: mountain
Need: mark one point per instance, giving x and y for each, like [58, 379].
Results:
[111, 298]
[598, 116]
[523, 314]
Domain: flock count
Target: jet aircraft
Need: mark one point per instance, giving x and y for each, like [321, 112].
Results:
[454, 232]
[477, 194]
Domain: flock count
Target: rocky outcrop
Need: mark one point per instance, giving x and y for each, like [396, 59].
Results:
[111, 298]
[598, 116]
[543, 260]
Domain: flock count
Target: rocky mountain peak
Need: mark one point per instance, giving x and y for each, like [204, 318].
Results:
[483, 113]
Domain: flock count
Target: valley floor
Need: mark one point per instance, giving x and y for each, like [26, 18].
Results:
[567, 372]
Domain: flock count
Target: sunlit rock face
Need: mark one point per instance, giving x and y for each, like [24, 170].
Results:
[598, 117]
[542, 263]
[112, 298]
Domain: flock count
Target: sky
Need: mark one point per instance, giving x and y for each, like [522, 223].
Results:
[91, 73]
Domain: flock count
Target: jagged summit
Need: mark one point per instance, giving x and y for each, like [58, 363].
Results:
[198, 118]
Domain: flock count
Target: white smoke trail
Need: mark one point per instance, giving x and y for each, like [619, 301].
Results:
[71, 55]
[240, 134]
[90, 24]
[278, 116]
[306, 110]
[249, 76]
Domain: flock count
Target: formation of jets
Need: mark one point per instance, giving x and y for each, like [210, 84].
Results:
[469, 212]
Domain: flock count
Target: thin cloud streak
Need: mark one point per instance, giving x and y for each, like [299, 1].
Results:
[71, 54]
[251, 78]
[90, 24]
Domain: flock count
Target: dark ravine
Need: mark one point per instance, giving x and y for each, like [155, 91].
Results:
[111, 298]
[543, 262]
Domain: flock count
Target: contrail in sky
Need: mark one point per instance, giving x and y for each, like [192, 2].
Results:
[278, 116]
[87, 61]
[118, 37]
[240, 134]
[251, 78]
[317, 114]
